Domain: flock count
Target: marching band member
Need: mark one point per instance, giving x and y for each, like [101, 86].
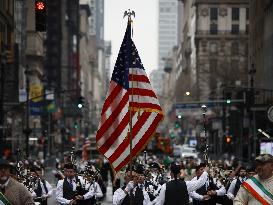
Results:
[177, 191]
[91, 184]
[235, 184]
[69, 190]
[131, 192]
[207, 194]
[43, 190]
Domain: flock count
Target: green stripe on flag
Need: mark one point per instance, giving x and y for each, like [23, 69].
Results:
[3, 200]
[261, 187]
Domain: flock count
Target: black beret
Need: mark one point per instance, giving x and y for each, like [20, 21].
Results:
[140, 169]
[175, 168]
[70, 166]
[154, 165]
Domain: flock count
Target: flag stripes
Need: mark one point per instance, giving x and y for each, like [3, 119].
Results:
[141, 143]
[139, 78]
[113, 141]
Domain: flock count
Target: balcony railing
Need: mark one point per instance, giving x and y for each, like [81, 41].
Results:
[220, 32]
[220, 2]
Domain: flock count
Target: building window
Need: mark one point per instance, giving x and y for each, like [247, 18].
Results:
[247, 13]
[235, 29]
[213, 28]
[212, 77]
[234, 48]
[247, 28]
[235, 14]
[167, 10]
[2, 5]
[234, 66]
[213, 13]
[213, 48]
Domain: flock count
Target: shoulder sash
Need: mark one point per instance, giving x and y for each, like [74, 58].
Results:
[258, 191]
[3, 200]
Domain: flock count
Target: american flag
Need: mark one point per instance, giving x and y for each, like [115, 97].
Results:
[130, 99]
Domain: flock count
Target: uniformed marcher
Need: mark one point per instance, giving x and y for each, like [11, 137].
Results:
[91, 184]
[70, 190]
[235, 185]
[210, 192]
[11, 190]
[43, 190]
[259, 188]
[131, 193]
[178, 189]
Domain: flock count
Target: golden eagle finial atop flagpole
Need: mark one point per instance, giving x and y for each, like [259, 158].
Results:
[129, 13]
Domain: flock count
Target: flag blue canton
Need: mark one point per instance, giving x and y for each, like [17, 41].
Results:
[127, 58]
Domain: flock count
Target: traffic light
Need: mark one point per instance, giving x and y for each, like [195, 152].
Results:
[176, 124]
[40, 15]
[228, 139]
[76, 126]
[172, 135]
[228, 97]
[81, 102]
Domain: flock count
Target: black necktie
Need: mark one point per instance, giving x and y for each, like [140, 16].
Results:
[39, 191]
[71, 184]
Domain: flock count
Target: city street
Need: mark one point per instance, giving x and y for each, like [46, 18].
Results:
[144, 93]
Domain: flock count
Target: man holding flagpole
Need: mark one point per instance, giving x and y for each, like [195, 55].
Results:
[259, 188]
[131, 191]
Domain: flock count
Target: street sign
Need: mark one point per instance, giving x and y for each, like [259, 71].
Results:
[192, 105]
[270, 113]
[36, 92]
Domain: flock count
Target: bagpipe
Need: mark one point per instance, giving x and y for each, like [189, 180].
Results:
[90, 176]
[24, 175]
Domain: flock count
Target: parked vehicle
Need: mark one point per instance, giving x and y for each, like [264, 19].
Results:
[184, 151]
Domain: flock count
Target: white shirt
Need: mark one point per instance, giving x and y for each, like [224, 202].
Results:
[191, 186]
[49, 189]
[95, 188]
[119, 196]
[231, 189]
[59, 190]
[219, 192]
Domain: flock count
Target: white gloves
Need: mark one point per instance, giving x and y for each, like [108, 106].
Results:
[230, 196]
[129, 186]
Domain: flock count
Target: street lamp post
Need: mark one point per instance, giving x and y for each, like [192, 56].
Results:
[27, 130]
[3, 61]
[252, 72]
[206, 151]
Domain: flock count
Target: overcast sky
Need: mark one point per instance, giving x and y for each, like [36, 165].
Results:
[144, 28]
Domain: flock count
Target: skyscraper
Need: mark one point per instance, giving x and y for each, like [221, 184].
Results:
[167, 29]
[167, 39]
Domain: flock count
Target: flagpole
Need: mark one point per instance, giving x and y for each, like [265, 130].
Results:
[129, 13]
[131, 127]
